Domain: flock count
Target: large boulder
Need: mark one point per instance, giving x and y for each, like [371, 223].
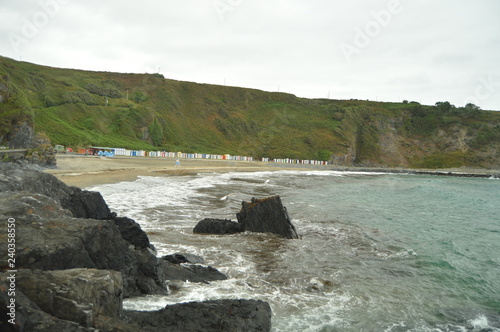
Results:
[47, 240]
[209, 316]
[76, 261]
[267, 215]
[132, 232]
[79, 295]
[81, 203]
[217, 226]
[55, 231]
[29, 316]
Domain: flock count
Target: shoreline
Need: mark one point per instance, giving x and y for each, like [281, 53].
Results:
[86, 171]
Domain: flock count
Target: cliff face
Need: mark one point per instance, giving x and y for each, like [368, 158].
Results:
[17, 127]
[140, 111]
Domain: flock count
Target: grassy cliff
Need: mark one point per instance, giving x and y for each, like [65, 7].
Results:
[145, 111]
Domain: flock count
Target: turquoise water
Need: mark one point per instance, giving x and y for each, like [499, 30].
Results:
[379, 252]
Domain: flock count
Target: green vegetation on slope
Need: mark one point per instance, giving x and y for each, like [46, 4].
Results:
[142, 111]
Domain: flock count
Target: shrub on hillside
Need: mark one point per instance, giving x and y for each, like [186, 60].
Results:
[103, 90]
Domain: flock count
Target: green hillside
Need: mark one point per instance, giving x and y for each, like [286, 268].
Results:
[146, 111]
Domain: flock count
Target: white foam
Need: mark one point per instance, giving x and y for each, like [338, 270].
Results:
[480, 322]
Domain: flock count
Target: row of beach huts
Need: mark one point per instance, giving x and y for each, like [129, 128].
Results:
[111, 152]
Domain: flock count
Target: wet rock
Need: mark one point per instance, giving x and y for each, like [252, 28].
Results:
[267, 215]
[82, 203]
[132, 232]
[29, 317]
[76, 261]
[51, 238]
[217, 226]
[218, 315]
[179, 258]
[79, 295]
[192, 273]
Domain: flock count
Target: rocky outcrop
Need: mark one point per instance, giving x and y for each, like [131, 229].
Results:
[29, 316]
[76, 260]
[78, 295]
[81, 203]
[132, 232]
[50, 238]
[219, 315]
[39, 149]
[22, 136]
[267, 215]
[217, 226]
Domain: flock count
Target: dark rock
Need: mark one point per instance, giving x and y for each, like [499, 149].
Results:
[192, 273]
[267, 215]
[132, 232]
[65, 243]
[179, 258]
[21, 136]
[63, 233]
[50, 238]
[79, 295]
[217, 226]
[82, 203]
[29, 317]
[218, 315]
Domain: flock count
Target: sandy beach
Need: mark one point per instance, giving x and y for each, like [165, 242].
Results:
[85, 171]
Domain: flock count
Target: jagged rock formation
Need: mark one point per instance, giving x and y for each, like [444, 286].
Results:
[76, 260]
[79, 295]
[267, 215]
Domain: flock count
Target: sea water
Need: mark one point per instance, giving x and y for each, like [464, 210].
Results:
[378, 252]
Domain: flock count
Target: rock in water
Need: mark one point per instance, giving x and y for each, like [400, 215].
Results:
[208, 316]
[217, 226]
[267, 215]
[179, 258]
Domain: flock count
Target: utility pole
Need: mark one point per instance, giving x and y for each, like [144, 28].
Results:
[127, 94]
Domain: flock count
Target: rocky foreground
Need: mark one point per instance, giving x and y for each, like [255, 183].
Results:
[75, 261]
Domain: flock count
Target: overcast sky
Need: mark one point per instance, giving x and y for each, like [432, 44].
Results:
[385, 50]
